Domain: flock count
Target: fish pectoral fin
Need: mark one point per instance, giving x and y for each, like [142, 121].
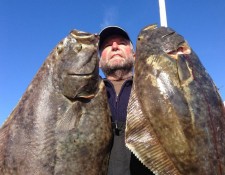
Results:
[4, 133]
[70, 118]
[185, 71]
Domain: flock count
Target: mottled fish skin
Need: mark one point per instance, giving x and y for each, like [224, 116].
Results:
[176, 119]
[62, 124]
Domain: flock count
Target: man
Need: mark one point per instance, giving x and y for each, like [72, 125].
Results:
[116, 61]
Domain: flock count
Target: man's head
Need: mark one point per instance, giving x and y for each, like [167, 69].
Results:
[116, 51]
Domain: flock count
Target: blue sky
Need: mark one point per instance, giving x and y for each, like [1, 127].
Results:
[29, 30]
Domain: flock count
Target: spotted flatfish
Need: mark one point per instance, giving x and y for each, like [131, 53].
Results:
[176, 120]
[62, 124]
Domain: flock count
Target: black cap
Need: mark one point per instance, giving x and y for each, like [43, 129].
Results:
[111, 30]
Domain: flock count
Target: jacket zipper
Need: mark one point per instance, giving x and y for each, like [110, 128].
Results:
[117, 130]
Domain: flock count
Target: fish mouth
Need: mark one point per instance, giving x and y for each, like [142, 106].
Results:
[79, 75]
[79, 85]
[183, 49]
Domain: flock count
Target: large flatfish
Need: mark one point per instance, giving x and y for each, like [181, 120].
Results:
[62, 124]
[176, 121]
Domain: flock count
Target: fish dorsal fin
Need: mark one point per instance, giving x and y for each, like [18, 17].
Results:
[143, 142]
[3, 144]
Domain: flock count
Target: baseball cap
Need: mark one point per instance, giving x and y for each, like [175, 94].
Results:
[111, 30]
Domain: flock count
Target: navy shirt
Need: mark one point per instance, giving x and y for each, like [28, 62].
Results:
[122, 161]
[118, 104]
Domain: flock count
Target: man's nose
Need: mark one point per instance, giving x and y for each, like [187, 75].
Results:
[114, 46]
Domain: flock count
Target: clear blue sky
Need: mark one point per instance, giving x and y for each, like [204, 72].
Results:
[30, 29]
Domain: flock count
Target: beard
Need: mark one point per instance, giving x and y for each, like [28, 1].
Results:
[125, 66]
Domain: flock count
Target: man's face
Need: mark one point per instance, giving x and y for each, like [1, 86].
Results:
[116, 53]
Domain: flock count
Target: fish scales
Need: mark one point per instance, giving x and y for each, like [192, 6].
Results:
[182, 113]
[62, 123]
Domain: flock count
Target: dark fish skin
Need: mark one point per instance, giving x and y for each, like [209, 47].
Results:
[62, 124]
[176, 119]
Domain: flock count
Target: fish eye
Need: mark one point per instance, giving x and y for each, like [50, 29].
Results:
[60, 48]
[77, 47]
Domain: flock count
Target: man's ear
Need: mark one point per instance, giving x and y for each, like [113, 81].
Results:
[134, 55]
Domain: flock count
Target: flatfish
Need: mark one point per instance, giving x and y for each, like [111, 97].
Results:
[62, 124]
[176, 120]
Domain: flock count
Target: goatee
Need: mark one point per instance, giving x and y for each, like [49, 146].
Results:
[117, 69]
